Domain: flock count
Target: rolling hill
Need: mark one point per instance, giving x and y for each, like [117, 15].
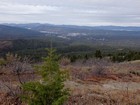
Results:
[12, 32]
[49, 27]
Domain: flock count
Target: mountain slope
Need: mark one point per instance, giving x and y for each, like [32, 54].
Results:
[10, 32]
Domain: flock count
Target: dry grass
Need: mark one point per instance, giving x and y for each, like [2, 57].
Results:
[89, 94]
[116, 85]
[92, 82]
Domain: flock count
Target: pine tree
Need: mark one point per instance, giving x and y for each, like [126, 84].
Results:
[98, 54]
[50, 89]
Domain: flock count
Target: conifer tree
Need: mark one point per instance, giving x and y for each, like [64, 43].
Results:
[50, 89]
[98, 54]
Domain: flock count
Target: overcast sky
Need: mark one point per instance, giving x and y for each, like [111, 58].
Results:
[72, 12]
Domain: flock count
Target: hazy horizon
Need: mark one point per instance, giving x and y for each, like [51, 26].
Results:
[72, 24]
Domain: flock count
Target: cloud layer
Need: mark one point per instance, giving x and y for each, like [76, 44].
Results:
[73, 12]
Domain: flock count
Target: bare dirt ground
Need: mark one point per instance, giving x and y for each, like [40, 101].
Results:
[90, 83]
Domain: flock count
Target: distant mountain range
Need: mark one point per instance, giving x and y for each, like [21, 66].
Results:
[14, 32]
[99, 35]
[68, 35]
[44, 27]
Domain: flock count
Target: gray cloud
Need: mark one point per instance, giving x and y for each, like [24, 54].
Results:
[77, 12]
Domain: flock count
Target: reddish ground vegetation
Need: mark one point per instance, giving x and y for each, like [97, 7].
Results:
[90, 84]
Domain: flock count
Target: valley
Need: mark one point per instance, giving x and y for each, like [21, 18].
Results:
[103, 63]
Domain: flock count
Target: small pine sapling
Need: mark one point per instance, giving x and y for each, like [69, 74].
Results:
[50, 89]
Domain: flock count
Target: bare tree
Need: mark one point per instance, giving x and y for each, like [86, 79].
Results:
[21, 69]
